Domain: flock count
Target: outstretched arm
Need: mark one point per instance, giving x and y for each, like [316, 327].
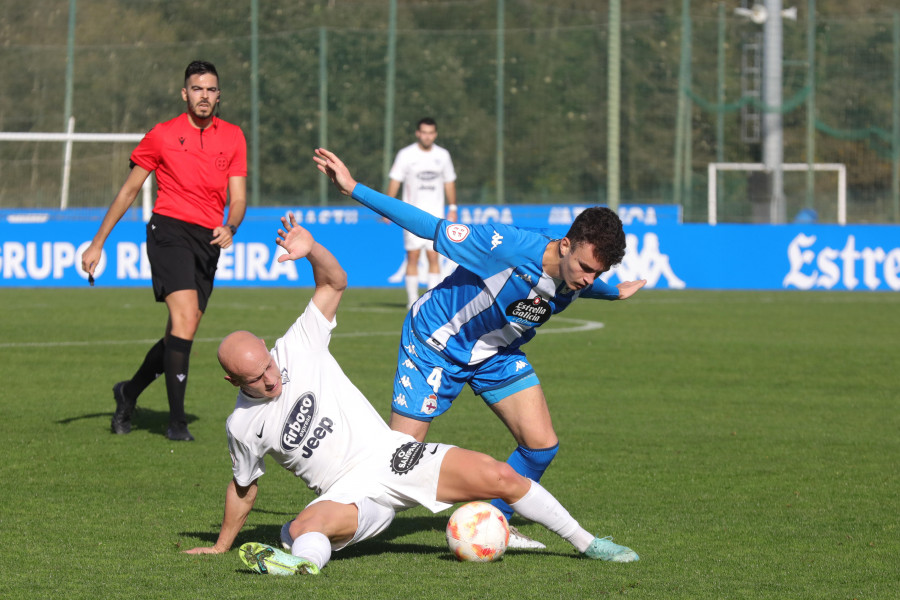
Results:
[120, 204]
[329, 276]
[410, 218]
[238, 502]
[627, 289]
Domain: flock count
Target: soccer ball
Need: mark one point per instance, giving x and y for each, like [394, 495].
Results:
[477, 532]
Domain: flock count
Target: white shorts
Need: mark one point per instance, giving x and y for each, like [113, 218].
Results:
[390, 482]
[413, 242]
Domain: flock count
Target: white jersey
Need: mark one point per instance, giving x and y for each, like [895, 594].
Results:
[320, 427]
[423, 175]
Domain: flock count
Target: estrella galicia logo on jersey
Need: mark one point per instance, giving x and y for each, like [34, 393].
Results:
[299, 422]
[456, 232]
[534, 311]
[406, 457]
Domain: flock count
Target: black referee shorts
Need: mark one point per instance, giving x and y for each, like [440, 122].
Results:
[181, 258]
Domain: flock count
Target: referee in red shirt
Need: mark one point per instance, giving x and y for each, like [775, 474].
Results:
[201, 165]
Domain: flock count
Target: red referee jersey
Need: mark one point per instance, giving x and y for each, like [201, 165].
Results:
[192, 167]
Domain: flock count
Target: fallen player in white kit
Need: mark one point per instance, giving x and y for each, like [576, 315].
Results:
[296, 405]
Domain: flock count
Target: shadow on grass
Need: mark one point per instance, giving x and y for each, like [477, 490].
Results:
[154, 421]
[383, 544]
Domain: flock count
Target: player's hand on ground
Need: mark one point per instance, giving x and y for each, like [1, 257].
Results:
[331, 165]
[222, 237]
[627, 289]
[295, 240]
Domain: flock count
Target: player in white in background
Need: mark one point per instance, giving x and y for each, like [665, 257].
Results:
[297, 405]
[426, 172]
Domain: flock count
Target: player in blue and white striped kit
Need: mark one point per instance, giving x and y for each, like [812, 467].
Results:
[469, 329]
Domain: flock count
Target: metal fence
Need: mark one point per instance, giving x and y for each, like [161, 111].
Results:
[518, 87]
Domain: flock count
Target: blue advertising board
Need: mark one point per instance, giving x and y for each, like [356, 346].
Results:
[44, 249]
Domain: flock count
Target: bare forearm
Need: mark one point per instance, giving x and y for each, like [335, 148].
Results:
[393, 188]
[118, 207]
[238, 503]
[450, 193]
[327, 271]
[237, 200]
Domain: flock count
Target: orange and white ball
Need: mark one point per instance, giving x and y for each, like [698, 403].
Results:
[477, 532]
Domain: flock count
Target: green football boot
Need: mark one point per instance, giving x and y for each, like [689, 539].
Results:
[267, 560]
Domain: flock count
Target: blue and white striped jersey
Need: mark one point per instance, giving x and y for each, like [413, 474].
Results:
[497, 296]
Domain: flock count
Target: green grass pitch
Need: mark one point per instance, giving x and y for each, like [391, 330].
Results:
[745, 444]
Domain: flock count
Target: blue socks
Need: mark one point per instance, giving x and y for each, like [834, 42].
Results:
[529, 462]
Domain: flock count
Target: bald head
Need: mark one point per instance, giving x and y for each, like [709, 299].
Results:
[248, 364]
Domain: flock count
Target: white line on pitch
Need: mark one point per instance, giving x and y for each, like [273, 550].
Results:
[580, 325]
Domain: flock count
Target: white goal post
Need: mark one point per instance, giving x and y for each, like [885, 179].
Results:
[841, 169]
[69, 137]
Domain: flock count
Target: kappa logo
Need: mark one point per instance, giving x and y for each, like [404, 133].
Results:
[406, 457]
[525, 277]
[181, 141]
[521, 364]
[496, 240]
[409, 365]
[648, 263]
[400, 400]
[456, 232]
[405, 382]
[411, 349]
[284, 376]
[429, 405]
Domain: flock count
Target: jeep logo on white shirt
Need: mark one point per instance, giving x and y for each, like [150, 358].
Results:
[298, 422]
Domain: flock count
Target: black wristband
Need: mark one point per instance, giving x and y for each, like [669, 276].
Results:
[233, 229]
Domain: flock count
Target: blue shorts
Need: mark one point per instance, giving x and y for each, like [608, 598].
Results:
[426, 383]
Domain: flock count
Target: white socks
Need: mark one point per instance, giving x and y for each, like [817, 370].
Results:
[540, 506]
[314, 547]
[412, 289]
[433, 279]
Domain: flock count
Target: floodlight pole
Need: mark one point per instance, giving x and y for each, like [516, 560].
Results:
[254, 103]
[68, 120]
[501, 53]
[323, 107]
[770, 15]
[613, 104]
[773, 133]
[388, 153]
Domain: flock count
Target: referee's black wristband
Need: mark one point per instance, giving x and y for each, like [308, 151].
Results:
[233, 229]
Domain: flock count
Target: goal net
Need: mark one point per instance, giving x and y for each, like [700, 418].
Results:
[744, 196]
[66, 171]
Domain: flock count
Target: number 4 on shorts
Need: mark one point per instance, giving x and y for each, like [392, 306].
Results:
[434, 380]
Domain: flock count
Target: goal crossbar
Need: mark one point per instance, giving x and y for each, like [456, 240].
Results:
[69, 137]
[714, 168]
